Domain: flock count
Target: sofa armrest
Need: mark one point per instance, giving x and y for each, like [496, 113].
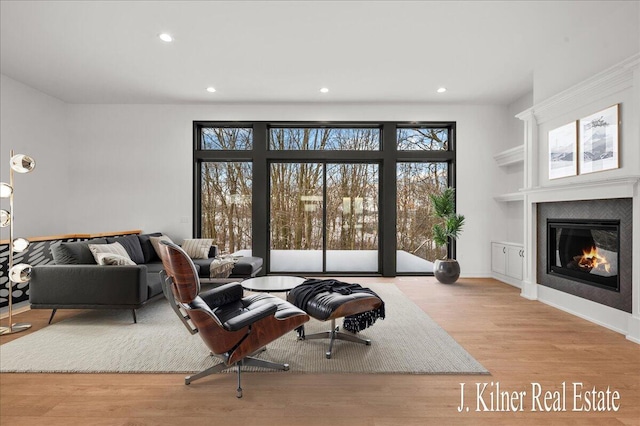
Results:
[87, 285]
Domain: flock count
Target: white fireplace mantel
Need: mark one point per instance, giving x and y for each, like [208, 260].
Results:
[623, 187]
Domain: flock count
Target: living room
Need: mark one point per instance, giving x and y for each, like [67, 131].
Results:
[107, 110]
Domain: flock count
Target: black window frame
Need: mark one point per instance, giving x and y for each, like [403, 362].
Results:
[261, 157]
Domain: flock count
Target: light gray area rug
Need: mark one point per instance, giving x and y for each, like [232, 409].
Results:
[407, 341]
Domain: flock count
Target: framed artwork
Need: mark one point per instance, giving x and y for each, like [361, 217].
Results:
[562, 151]
[599, 141]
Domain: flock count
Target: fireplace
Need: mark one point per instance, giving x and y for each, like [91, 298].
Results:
[586, 251]
[609, 223]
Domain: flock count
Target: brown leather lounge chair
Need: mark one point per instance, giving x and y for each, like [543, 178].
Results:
[232, 326]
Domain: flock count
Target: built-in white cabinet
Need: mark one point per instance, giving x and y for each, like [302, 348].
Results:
[507, 262]
[515, 256]
[499, 258]
[507, 258]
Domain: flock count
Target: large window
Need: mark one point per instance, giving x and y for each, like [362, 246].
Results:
[351, 225]
[296, 209]
[324, 217]
[416, 182]
[323, 198]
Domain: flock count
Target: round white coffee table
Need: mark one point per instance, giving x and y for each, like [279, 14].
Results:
[272, 283]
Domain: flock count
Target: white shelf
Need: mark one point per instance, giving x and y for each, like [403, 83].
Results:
[510, 156]
[510, 197]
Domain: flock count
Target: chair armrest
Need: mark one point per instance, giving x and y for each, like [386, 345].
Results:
[222, 295]
[247, 318]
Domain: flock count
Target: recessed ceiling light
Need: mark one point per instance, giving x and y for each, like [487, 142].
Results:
[166, 37]
[441, 90]
[324, 90]
[211, 89]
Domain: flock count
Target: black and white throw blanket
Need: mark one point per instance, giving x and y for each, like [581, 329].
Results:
[302, 294]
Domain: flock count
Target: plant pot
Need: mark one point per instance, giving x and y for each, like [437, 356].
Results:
[446, 271]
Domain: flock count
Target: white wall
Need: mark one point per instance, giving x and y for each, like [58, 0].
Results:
[629, 147]
[516, 126]
[135, 162]
[612, 38]
[34, 123]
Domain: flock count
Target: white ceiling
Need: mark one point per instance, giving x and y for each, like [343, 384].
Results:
[279, 51]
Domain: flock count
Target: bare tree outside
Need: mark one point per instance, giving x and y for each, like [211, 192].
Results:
[358, 139]
[226, 190]
[415, 182]
[352, 206]
[227, 138]
[423, 139]
[296, 206]
[226, 204]
[300, 202]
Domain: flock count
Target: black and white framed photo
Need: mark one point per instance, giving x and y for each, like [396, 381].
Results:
[599, 134]
[562, 151]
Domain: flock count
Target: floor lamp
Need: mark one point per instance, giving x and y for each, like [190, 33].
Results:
[20, 273]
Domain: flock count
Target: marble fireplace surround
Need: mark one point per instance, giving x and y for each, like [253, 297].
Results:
[618, 191]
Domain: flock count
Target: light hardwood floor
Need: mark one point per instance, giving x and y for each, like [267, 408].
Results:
[519, 341]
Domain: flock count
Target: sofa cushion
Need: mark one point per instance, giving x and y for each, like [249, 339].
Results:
[203, 266]
[113, 259]
[114, 248]
[75, 253]
[131, 244]
[155, 242]
[154, 267]
[154, 285]
[197, 248]
[148, 252]
[247, 266]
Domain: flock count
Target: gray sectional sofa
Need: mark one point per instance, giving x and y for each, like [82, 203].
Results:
[76, 281]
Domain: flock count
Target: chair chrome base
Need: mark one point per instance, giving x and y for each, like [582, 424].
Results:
[15, 328]
[334, 334]
[248, 361]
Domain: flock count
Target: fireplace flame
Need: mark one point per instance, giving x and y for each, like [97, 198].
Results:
[591, 259]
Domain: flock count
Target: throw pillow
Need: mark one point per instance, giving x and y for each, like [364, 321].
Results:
[75, 253]
[197, 248]
[113, 259]
[148, 252]
[155, 241]
[63, 256]
[131, 244]
[115, 248]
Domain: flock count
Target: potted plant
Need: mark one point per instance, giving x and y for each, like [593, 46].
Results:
[448, 227]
